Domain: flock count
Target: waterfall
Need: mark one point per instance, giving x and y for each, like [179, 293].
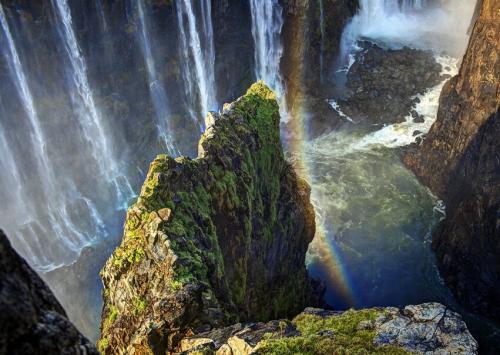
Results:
[89, 116]
[197, 55]
[102, 17]
[322, 39]
[47, 216]
[156, 88]
[267, 21]
[83, 97]
[29, 224]
[414, 23]
[19, 78]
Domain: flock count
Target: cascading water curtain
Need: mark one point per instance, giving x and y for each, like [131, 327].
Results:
[156, 88]
[267, 22]
[52, 210]
[198, 56]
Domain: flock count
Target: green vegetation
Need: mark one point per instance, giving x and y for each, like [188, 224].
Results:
[345, 337]
[102, 345]
[188, 208]
[139, 306]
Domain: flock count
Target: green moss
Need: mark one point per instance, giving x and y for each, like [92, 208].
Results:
[217, 200]
[112, 315]
[346, 338]
[102, 345]
[139, 306]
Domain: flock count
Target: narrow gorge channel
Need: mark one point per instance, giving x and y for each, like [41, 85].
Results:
[93, 91]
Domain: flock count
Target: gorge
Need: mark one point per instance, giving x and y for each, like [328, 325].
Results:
[93, 91]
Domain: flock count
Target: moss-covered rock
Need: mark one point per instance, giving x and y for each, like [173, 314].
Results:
[214, 240]
[429, 328]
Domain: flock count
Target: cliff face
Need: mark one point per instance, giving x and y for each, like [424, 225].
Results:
[214, 240]
[459, 161]
[31, 319]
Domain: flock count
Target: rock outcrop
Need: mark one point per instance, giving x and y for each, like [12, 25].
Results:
[428, 328]
[459, 161]
[31, 319]
[382, 84]
[212, 241]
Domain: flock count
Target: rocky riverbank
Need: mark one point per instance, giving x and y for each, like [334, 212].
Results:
[382, 84]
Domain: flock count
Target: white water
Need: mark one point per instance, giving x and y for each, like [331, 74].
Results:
[156, 88]
[89, 116]
[48, 219]
[413, 23]
[405, 133]
[267, 21]
[198, 54]
[337, 108]
[45, 174]
[322, 43]
[83, 98]
[24, 91]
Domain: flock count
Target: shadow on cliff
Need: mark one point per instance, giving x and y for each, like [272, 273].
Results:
[467, 242]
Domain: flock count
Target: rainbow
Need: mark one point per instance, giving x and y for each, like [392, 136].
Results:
[324, 250]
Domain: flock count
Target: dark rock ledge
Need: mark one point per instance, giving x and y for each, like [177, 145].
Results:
[31, 319]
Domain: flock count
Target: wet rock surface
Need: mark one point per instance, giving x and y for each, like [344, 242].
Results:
[382, 83]
[31, 319]
[212, 241]
[429, 328]
[459, 161]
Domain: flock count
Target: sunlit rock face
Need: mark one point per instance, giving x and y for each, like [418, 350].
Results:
[212, 241]
[31, 319]
[458, 160]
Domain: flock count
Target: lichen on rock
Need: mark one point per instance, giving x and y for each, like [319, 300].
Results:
[211, 241]
[429, 328]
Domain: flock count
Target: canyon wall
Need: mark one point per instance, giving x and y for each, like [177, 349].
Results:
[212, 241]
[459, 161]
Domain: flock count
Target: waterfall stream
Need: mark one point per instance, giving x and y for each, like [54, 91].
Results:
[322, 39]
[267, 21]
[156, 88]
[89, 115]
[198, 55]
[66, 236]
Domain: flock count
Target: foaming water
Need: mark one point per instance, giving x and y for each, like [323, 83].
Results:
[375, 217]
[407, 132]
[378, 219]
[417, 24]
